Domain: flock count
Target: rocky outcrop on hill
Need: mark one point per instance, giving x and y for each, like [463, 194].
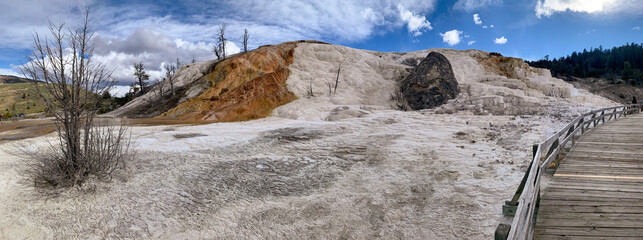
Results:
[431, 83]
[241, 87]
[309, 80]
[244, 87]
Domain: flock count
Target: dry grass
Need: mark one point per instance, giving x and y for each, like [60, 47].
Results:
[18, 130]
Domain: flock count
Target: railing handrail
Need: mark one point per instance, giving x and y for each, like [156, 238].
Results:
[527, 196]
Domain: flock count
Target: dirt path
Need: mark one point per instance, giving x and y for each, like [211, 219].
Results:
[24, 129]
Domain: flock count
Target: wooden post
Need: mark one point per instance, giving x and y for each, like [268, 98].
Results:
[603, 114]
[581, 125]
[594, 120]
[553, 147]
[502, 232]
[509, 208]
[574, 139]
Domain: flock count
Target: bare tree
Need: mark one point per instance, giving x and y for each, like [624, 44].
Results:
[337, 78]
[169, 75]
[222, 40]
[216, 49]
[178, 63]
[159, 90]
[71, 84]
[133, 88]
[193, 60]
[245, 40]
[141, 76]
[333, 90]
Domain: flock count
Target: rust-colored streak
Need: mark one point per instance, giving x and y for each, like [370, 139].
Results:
[501, 65]
[245, 87]
[254, 99]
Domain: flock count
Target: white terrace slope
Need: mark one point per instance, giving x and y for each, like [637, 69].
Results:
[368, 78]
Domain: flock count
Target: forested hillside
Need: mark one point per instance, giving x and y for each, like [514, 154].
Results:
[624, 62]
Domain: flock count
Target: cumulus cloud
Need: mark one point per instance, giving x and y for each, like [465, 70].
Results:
[636, 28]
[451, 37]
[501, 40]
[151, 48]
[333, 20]
[476, 19]
[548, 7]
[269, 22]
[8, 71]
[21, 18]
[485, 26]
[471, 43]
[119, 90]
[470, 5]
[415, 23]
[491, 26]
[141, 32]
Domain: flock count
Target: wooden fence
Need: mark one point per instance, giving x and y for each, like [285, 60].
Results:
[547, 154]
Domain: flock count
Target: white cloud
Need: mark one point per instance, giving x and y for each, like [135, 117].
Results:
[501, 40]
[485, 26]
[471, 43]
[21, 18]
[269, 22]
[476, 19]
[451, 37]
[153, 49]
[636, 28]
[119, 90]
[415, 23]
[548, 7]
[129, 33]
[330, 20]
[491, 26]
[470, 5]
[8, 71]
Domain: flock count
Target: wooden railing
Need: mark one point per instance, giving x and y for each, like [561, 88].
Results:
[523, 206]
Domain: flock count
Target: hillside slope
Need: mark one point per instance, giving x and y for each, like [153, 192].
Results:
[241, 87]
[18, 95]
[294, 79]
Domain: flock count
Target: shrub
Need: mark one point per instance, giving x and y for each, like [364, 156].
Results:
[106, 149]
[72, 96]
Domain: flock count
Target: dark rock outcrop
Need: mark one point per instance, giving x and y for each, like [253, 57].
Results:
[431, 84]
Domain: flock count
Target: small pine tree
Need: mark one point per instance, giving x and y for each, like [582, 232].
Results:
[141, 76]
[628, 72]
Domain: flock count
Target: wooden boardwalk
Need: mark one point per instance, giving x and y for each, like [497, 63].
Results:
[597, 192]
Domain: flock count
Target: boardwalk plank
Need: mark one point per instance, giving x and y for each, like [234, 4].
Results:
[597, 192]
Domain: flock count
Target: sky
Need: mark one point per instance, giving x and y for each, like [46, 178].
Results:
[157, 32]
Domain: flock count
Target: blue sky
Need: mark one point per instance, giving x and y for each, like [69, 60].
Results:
[157, 32]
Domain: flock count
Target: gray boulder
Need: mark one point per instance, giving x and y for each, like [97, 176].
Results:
[430, 84]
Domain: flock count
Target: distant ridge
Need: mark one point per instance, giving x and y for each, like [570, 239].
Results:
[8, 79]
